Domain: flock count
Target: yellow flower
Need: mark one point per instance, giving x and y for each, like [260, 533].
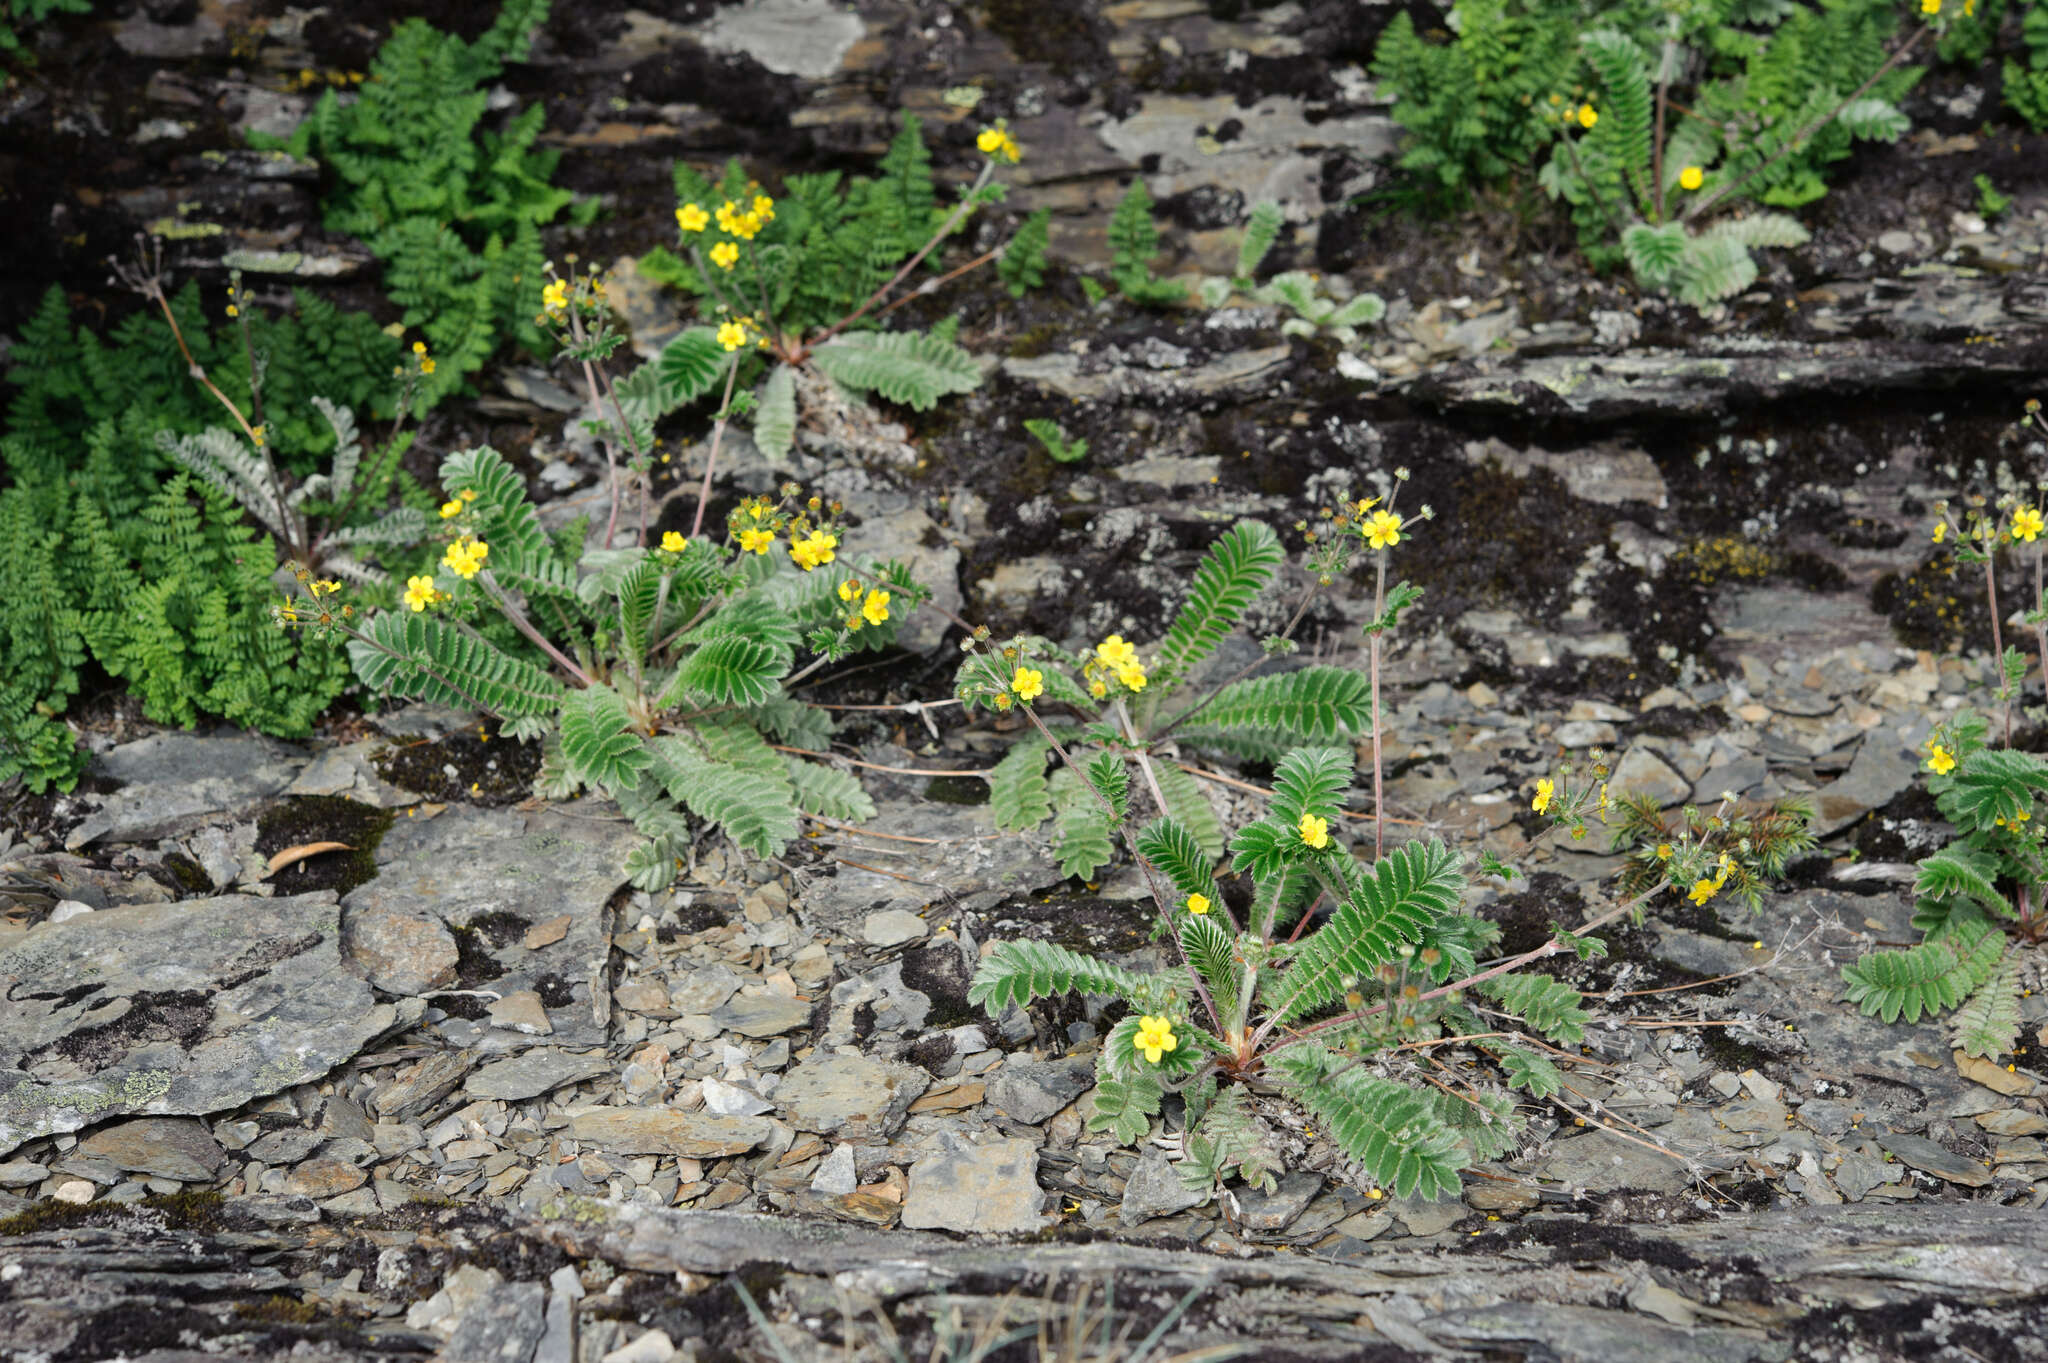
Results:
[1383, 531]
[691, 218]
[467, 494]
[1097, 689]
[555, 298]
[419, 347]
[1703, 890]
[234, 311]
[1198, 903]
[725, 255]
[1002, 700]
[1545, 788]
[320, 589]
[1114, 653]
[672, 542]
[287, 611]
[1588, 116]
[1028, 683]
[1940, 531]
[756, 541]
[2026, 524]
[1314, 831]
[849, 589]
[731, 335]
[426, 364]
[876, 609]
[997, 144]
[814, 550]
[450, 510]
[764, 208]
[1663, 851]
[1938, 760]
[1930, 6]
[419, 592]
[1691, 178]
[465, 557]
[1132, 677]
[1155, 1037]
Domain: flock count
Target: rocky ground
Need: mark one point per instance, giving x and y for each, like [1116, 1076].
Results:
[453, 1088]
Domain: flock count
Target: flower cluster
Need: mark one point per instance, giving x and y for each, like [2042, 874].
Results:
[869, 609]
[1355, 523]
[465, 558]
[813, 537]
[737, 332]
[997, 144]
[738, 222]
[1113, 657]
[457, 504]
[319, 612]
[2008, 521]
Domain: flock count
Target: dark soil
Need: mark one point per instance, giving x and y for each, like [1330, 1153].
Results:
[303, 819]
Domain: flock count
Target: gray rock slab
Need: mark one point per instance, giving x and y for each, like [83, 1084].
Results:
[1273, 1211]
[989, 1188]
[1881, 770]
[506, 871]
[969, 863]
[1642, 772]
[762, 1015]
[852, 1096]
[532, 1074]
[165, 1147]
[664, 1131]
[1033, 1090]
[189, 1009]
[399, 952]
[1154, 1189]
[347, 771]
[1583, 1334]
[1930, 1157]
[806, 38]
[174, 781]
[503, 1327]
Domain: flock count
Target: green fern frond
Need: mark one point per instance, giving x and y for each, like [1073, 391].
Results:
[1393, 903]
[1988, 1025]
[1311, 781]
[757, 811]
[1484, 1122]
[1018, 795]
[599, 744]
[1237, 567]
[1965, 871]
[1388, 1128]
[1022, 266]
[1929, 978]
[1169, 845]
[1080, 826]
[1993, 784]
[729, 671]
[1124, 1106]
[1110, 774]
[1526, 1070]
[425, 658]
[829, 792]
[1015, 973]
[914, 368]
[1261, 230]
[1540, 1002]
[1189, 804]
[1312, 705]
[1212, 952]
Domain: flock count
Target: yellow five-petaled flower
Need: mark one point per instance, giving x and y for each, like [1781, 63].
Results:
[419, 592]
[1198, 903]
[1545, 788]
[1383, 531]
[466, 556]
[1704, 889]
[555, 297]
[1691, 178]
[732, 335]
[1155, 1037]
[691, 218]
[1588, 116]
[1028, 683]
[813, 550]
[1938, 760]
[876, 608]
[450, 509]
[997, 144]
[756, 541]
[1314, 831]
[672, 542]
[2026, 524]
[725, 255]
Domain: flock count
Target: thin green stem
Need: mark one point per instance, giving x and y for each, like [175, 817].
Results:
[732, 375]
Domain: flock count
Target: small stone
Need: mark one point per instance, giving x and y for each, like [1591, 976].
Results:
[1154, 1189]
[1585, 734]
[1488, 1196]
[1274, 1211]
[762, 1015]
[892, 928]
[1995, 1077]
[854, 1096]
[288, 1145]
[166, 1147]
[324, 1178]
[730, 1100]
[21, 1173]
[664, 1131]
[532, 1074]
[1642, 772]
[1598, 710]
[1031, 1091]
[522, 1012]
[400, 953]
[76, 1191]
[990, 1188]
[1917, 1152]
[836, 1174]
[548, 933]
[1482, 696]
[653, 1347]
[68, 909]
[703, 990]
[2005, 1122]
[1428, 1218]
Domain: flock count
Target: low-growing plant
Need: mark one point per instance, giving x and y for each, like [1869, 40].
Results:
[1133, 246]
[1739, 845]
[1990, 203]
[17, 17]
[1053, 436]
[1333, 977]
[1980, 903]
[452, 209]
[798, 286]
[1296, 290]
[2026, 82]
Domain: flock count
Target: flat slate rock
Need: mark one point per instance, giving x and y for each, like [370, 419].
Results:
[851, 1096]
[175, 781]
[174, 1009]
[160, 1147]
[960, 857]
[991, 1189]
[530, 1075]
[664, 1131]
[495, 873]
